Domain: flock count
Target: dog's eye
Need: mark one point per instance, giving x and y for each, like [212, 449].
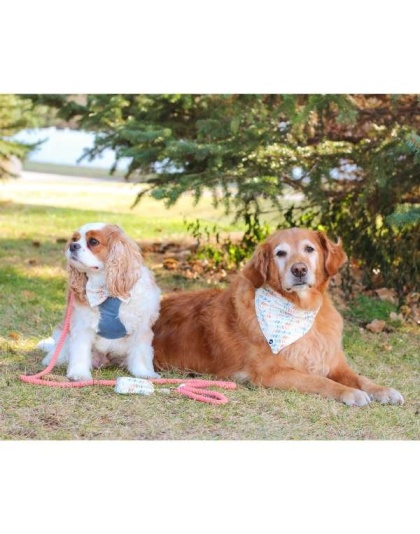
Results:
[281, 253]
[308, 248]
[93, 242]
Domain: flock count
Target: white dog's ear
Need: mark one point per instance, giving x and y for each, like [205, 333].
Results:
[334, 255]
[257, 270]
[122, 264]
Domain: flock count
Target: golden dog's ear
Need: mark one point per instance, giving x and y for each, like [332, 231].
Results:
[334, 255]
[257, 268]
[122, 264]
[77, 283]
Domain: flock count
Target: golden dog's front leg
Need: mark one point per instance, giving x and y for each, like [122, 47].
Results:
[291, 379]
[345, 375]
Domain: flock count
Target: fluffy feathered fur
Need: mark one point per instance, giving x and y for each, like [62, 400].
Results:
[104, 259]
[217, 331]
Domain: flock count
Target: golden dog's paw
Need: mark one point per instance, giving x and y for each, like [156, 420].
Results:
[355, 397]
[387, 396]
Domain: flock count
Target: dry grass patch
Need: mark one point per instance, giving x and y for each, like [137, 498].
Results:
[33, 282]
[33, 412]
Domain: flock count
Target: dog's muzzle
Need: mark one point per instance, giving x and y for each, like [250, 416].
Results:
[74, 247]
[299, 271]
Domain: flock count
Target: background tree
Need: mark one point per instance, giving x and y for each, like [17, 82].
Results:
[16, 114]
[353, 158]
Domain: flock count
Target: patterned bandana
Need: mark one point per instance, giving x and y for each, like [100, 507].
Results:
[98, 294]
[281, 322]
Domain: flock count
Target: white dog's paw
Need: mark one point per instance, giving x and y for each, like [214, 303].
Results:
[46, 345]
[78, 374]
[140, 371]
[46, 360]
[355, 397]
[151, 375]
[387, 396]
[61, 360]
[146, 374]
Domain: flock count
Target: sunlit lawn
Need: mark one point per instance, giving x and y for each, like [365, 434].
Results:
[36, 217]
[69, 202]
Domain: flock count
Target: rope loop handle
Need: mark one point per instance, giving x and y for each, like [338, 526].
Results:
[202, 395]
[193, 388]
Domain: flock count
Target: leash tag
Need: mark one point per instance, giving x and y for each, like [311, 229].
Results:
[127, 385]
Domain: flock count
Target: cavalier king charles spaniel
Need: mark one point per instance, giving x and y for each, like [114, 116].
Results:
[116, 302]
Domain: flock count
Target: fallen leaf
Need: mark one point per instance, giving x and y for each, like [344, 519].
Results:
[388, 295]
[413, 298]
[405, 310]
[197, 266]
[396, 316]
[28, 294]
[13, 335]
[189, 275]
[170, 264]
[376, 326]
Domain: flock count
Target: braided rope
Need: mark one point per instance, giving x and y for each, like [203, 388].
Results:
[193, 388]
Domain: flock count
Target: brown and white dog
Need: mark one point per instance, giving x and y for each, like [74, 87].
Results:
[116, 304]
[274, 326]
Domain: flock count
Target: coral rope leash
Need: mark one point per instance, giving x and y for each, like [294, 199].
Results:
[192, 388]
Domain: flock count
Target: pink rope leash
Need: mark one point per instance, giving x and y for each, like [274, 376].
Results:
[192, 388]
[195, 388]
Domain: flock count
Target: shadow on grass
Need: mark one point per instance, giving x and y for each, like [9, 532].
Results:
[30, 304]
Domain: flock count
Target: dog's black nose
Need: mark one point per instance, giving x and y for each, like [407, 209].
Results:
[299, 269]
[74, 247]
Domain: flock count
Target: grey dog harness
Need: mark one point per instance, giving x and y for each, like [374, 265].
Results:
[110, 326]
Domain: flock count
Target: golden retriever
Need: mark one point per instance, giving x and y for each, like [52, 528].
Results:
[225, 332]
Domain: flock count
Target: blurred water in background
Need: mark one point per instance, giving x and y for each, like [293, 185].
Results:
[65, 146]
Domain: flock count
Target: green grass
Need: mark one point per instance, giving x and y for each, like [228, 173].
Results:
[364, 309]
[67, 203]
[32, 296]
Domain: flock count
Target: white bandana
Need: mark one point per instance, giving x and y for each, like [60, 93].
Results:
[281, 322]
[98, 294]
